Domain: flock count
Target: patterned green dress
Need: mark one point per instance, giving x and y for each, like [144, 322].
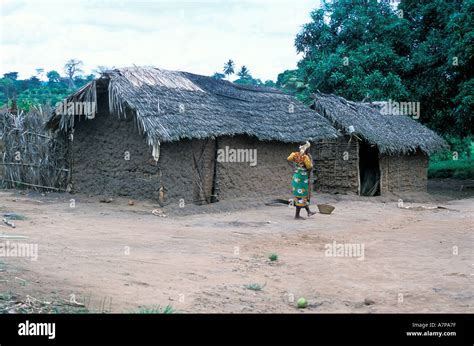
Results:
[300, 181]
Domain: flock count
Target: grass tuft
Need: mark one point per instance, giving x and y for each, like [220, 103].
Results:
[255, 287]
[156, 310]
[14, 216]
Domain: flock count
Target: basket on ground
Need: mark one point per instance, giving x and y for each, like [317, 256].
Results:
[325, 208]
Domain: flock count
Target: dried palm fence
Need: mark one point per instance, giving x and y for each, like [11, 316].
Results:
[31, 157]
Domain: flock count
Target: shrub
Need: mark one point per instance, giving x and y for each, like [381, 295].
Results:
[457, 169]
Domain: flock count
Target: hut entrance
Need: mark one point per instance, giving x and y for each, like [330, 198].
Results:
[203, 170]
[369, 170]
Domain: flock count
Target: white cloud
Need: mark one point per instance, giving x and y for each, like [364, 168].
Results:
[194, 36]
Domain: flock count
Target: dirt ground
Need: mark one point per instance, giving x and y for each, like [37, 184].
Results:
[116, 258]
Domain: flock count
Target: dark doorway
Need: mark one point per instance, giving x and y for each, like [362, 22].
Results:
[369, 170]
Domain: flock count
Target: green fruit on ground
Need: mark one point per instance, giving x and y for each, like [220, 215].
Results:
[302, 303]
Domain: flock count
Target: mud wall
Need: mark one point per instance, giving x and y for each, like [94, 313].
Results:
[271, 175]
[111, 158]
[336, 165]
[401, 173]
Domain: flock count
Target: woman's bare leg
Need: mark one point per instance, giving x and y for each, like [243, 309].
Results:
[310, 213]
[297, 215]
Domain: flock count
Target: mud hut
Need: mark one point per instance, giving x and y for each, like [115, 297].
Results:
[145, 132]
[378, 152]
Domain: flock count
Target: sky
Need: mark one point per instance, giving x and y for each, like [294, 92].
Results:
[195, 36]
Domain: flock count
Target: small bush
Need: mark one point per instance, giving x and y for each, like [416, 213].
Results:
[273, 257]
[458, 169]
[461, 174]
[255, 287]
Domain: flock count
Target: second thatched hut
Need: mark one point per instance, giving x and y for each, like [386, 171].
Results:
[378, 152]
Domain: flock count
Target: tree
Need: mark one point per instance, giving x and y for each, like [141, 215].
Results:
[7, 86]
[291, 81]
[421, 52]
[269, 83]
[244, 73]
[32, 82]
[229, 67]
[53, 77]
[439, 74]
[355, 49]
[72, 68]
[246, 78]
[218, 75]
[89, 78]
[33, 92]
[11, 75]
[249, 81]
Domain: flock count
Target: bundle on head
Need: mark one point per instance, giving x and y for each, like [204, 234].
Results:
[304, 147]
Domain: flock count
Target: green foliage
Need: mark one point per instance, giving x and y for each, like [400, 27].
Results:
[273, 257]
[269, 83]
[33, 92]
[246, 78]
[43, 95]
[459, 148]
[244, 73]
[229, 67]
[218, 75]
[248, 81]
[455, 163]
[157, 310]
[458, 169]
[11, 75]
[292, 82]
[357, 53]
[53, 77]
[367, 50]
[255, 287]
[440, 69]
[8, 89]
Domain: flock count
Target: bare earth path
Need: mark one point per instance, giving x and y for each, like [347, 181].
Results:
[118, 257]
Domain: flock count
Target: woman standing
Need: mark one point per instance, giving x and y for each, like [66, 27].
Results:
[300, 183]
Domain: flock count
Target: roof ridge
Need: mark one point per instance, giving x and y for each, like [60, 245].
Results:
[171, 105]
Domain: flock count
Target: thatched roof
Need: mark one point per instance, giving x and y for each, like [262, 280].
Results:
[171, 105]
[392, 134]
